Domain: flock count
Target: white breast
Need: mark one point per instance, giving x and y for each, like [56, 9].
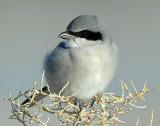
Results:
[88, 69]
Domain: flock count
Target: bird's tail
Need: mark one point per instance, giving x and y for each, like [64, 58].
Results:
[38, 97]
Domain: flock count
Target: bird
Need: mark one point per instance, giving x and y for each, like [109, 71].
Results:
[86, 57]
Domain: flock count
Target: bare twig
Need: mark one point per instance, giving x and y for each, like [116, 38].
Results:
[109, 107]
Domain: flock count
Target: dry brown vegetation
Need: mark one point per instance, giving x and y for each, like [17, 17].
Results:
[105, 111]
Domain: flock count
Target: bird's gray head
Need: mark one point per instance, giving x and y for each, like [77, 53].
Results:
[85, 27]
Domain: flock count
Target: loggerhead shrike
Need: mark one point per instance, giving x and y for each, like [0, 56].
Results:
[87, 58]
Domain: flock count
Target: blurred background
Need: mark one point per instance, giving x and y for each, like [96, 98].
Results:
[30, 28]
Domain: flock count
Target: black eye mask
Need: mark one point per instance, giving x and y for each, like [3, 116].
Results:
[89, 35]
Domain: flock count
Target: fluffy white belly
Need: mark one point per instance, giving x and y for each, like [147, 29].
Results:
[89, 73]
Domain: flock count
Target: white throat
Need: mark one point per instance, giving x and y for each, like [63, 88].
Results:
[80, 42]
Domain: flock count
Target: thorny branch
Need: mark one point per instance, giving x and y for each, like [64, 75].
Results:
[105, 111]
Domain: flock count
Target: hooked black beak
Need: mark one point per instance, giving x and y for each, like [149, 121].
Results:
[65, 35]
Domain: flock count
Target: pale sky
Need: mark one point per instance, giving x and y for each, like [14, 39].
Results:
[30, 28]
